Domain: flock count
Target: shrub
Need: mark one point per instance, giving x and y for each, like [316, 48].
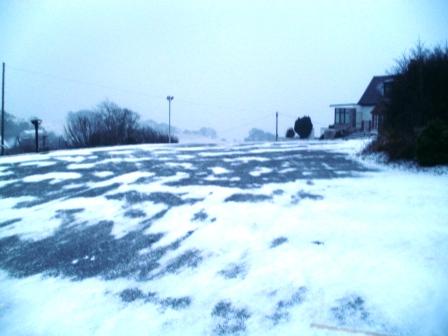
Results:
[432, 144]
[415, 111]
[303, 127]
[290, 133]
[341, 134]
[396, 148]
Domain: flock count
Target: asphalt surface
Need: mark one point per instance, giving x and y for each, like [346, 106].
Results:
[80, 250]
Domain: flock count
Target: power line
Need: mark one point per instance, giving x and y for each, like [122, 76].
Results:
[213, 107]
[219, 106]
[82, 82]
[158, 97]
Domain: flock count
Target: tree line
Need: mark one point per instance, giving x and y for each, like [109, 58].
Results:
[106, 125]
[109, 125]
[415, 114]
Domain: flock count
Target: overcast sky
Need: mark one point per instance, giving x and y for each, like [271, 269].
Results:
[229, 64]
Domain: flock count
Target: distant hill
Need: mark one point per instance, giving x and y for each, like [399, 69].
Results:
[256, 134]
[161, 127]
[203, 132]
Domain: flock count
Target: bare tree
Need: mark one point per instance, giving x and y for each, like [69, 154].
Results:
[108, 125]
[81, 128]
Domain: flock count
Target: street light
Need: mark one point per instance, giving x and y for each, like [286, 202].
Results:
[36, 122]
[169, 98]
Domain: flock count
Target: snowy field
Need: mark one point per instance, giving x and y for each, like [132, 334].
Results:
[256, 239]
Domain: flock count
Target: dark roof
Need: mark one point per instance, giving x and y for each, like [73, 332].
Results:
[374, 92]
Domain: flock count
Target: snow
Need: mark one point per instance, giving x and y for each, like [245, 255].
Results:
[283, 237]
[54, 177]
[76, 159]
[80, 166]
[260, 171]
[184, 165]
[246, 159]
[38, 163]
[123, 179]
[219, 170]
[103, 173]
[6, 182]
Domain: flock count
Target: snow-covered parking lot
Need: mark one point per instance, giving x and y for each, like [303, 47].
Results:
[282, 238]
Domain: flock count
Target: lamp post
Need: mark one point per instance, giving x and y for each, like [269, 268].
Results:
[36, 122]
[276, 126]
[169, 98]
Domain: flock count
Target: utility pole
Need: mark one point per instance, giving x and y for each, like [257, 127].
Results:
[169, 98]
[36, 122]
[3, 110]
[276, 126]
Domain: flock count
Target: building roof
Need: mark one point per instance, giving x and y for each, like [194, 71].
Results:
[374, 92]
[344, 105]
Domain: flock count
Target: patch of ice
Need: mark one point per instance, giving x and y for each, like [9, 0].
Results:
[184, 165]
[177, 177]
[124, 178]
[185, 157]
[246, 159]
[54, 177]
[121, 152]
[123, 159]
[102, 174]
[7, 203]
[73, 186]
[219, 153]
[81, 165]
[219, 170]
[124, 225]
[36, 223]
[287, 170]
[76, 159]
[38, 163]
[260, 171]
[6, 182]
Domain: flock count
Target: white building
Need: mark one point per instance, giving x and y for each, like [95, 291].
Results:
[366, 114]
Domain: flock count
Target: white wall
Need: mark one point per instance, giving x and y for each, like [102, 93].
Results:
[358, 116]
[366, 112]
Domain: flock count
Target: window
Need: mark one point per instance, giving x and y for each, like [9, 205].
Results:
[345, 116]
[386, 89]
